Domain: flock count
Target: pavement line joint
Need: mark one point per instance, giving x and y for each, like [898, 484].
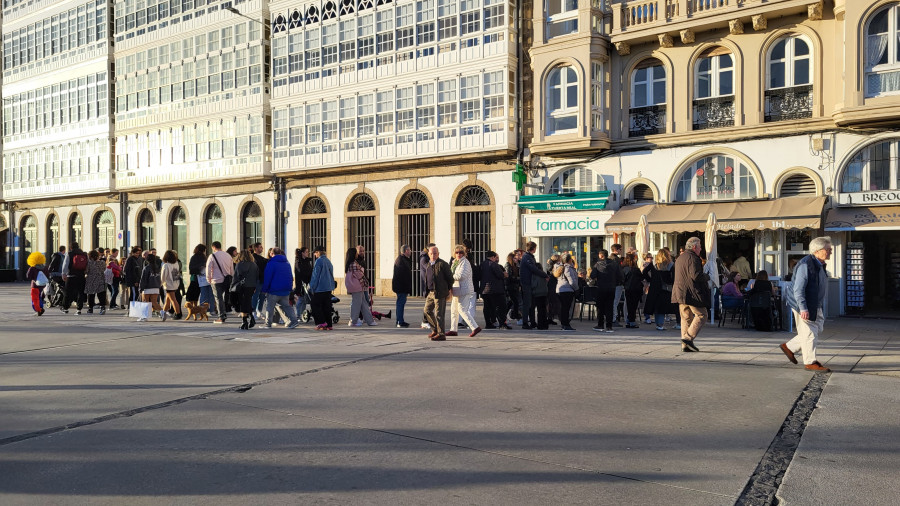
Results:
[205, 395]
[763, 485]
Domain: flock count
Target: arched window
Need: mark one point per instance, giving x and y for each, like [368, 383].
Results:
[474, 221]
[178, 233]
[562, 17]
[252, 220]
[714, 89]
[52, 234]
[146, 230]
[329, 11]
[648, 99]
[104, 230]
[562, 100]
[788, 80]
[28, 236]
[716, 177]
[212, 224]
[414, 227]
[874, 167]
[279, 25]
[312, 16]
[882, 52]
[296, 20]
[642, 193]
[361, 214]
[347, 7]
[314, 223]
[75, 229]
[577, 179]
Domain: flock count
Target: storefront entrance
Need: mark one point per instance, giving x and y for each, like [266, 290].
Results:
[877, 256]
[584, 249]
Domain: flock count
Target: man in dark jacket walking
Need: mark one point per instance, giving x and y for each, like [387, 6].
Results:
[528, 269]
[73, 271]
[131, 274]
[303, 268]
[278, 282]
[258, 302]
[438, 280]
[401, 284]
[493, 292]
[606, 275]
[691, 293]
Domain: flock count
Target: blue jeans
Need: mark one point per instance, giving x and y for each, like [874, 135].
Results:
[206, 295]
[660, 319]
[401, 305]
[258, 303]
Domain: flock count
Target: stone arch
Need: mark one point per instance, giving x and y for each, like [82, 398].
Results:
[794, 171]
[456, 210]
[95, 240]
[302, 215]
[629, 187]
[242, 209]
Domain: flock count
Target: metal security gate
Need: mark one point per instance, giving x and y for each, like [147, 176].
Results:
[315, 233]
[475, 226]
[361, 230]
[415, 230]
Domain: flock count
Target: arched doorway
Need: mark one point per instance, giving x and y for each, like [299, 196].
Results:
[52, 235]
[212, 225]
[178, 234]
[75, 229]
[473, 221]
[361, 214]
[414, 229]
[104, 230]
[252, 220]
[146, 230]
[314, 223]
[28, 238]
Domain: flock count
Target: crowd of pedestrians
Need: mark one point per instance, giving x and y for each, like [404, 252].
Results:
[268, 287]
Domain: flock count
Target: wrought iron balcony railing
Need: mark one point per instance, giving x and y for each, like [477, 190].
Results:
[714, 112]
[789, 103]
[648, 120]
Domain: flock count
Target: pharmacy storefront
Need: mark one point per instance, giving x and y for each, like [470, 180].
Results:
[580, 233]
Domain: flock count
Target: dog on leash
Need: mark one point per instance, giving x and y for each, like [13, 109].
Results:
[197, 311]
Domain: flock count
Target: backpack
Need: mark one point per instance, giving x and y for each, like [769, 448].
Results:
[79, 262]
[558, 270]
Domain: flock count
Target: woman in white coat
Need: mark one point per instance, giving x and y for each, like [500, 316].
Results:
[463, 299]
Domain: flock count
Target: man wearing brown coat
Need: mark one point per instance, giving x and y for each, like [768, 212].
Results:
[438, 280]
[691, 293]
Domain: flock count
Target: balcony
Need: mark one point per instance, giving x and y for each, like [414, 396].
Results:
[789, 103]
[717, 112]
[649, 120]
[638, 21]
[81, 184]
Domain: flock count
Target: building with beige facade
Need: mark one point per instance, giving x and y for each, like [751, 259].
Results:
[779, 116]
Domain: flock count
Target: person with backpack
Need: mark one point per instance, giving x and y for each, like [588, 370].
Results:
[95, 281]
[37, 274]
[73, 274]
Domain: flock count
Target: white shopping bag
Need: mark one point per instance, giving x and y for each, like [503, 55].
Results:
[139, 310]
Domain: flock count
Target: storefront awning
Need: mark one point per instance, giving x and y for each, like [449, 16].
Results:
[842, 219]
[565, 201]
[784, 213]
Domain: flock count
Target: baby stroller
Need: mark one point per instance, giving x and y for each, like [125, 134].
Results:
[306, 316]
[55, 293]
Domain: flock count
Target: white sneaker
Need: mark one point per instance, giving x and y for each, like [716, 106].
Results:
[350, 323]
[142, 319]
[426, 326]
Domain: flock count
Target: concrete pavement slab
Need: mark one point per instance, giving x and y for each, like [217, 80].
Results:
[850, 451]
[211, 452]
[635, 418]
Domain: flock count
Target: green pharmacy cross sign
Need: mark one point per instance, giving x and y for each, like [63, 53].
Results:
[565, 201]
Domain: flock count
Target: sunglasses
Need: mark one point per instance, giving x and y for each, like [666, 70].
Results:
[460, 253]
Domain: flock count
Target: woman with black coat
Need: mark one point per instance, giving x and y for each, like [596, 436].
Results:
[761, 317]
[150, 284]
[493, 292]
[401, 284]
[243, 285]
[303, 267]
[661, 275]
[634, 288]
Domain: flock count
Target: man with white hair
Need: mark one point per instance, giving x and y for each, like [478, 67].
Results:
[806, 298]
[691, 293]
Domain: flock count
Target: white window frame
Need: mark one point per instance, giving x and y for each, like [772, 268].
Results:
[564, 110]
[715, 76]
[892, 66]
[650, 82]
[580, 179]
[566, 14]
[789, 60]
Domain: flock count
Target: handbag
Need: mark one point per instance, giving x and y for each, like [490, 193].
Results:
[41, 279]
[139, 309]
[228, 279]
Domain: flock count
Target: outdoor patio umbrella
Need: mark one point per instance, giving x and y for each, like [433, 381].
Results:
[642, 238]
[711, 268]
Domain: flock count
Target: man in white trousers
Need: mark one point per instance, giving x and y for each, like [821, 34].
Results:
[806, 298]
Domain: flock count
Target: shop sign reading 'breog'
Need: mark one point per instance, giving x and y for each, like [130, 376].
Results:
[870, 198]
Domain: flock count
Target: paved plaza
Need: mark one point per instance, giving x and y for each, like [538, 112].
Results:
[104, 410]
